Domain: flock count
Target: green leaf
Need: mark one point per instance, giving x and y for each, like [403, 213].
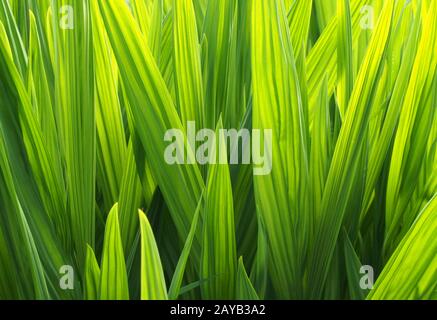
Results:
[111, 142]
[321, 150]
[415, 124]
[217, 29]
[411, 272]
[299, 21]
[91, 276]
[153, 113]
[245, 290]
[280, 195]
[13, 33]
[322, 57]
[74, 92]
[188, 64]
[219, 257]
[353, 267]
[325, 12]
[381, 147]
[176, 282]
[113, 275]
[153, 285]
[22, 135]
[130, 200]
[344, 55]
[340, 181]
[18, 236]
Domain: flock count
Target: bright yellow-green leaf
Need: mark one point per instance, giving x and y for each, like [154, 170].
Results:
[153, 285]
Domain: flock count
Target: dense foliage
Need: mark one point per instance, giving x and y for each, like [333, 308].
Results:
[89, 209]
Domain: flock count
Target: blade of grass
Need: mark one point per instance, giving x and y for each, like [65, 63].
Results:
[338, 185]
[113, 276]
[245, 290]
[176, 282]
[153, 285]
[74, 85]
[188, 64]
[153, 112]
[344, 55]
[219, 256]
[412, 269]
[414, 126]
[92, 276]
[278, 107]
